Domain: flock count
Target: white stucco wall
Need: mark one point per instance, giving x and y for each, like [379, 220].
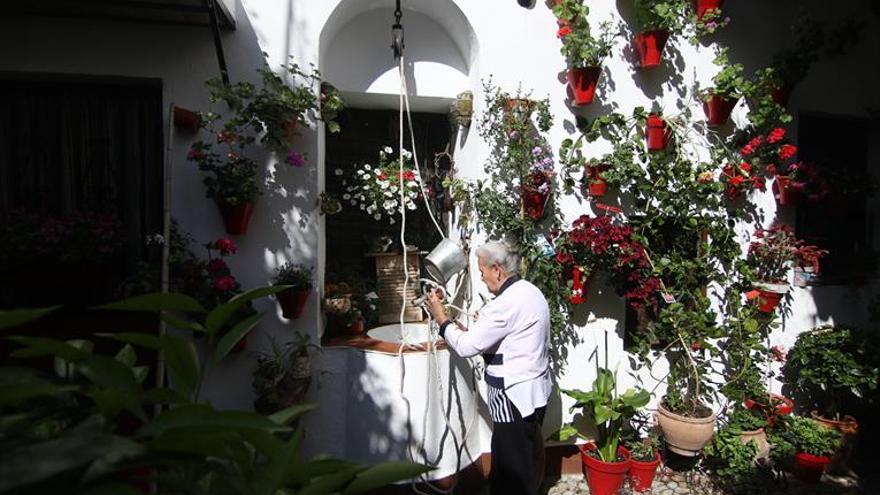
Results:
[451, 46]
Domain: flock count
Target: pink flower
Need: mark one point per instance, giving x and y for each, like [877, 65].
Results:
[216, 265]
[295, 159]
[225, 245]
[779, 353]
[225, 283]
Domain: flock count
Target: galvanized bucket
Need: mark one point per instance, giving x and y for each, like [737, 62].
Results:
[445, 260]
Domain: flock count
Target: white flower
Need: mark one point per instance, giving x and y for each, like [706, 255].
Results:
[413, 184]
[360, 172]
[353, 203]
[365, 186]
[338, 171]
[393, 189]
[412, 194]
[367, 166]
[388, 194]
[391, 220]
[388, 150]
[411, 206]
[378, 216]
[363, 207]
[346, 196]
[371, 295]
[371, 209]
[406, 154]
[388, 204]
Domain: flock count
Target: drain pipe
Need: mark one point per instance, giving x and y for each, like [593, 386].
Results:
[166, 246]
[218, 44]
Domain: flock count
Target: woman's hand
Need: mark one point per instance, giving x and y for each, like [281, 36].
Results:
[435, 305]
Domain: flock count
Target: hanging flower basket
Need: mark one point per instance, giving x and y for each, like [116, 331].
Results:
[718, 108]
[236, 217]
[649, 46]
[582, 82]
[784, 192]
[703, 6]
[604, 478]
[657, 133]
[808, 467]
[292, 302]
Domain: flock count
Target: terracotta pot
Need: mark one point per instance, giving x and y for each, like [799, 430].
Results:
[604, 478]
[649, 45]
[685, 436]
[186, 120]
[780, 405]
[784, 194]
[292, 302]
[808, 467]
[598, 187]
[236, 217]
[702, 6]
[642, 473]
[848, 425]
[769, 296]
[582, 81]
[718, 108]
[657, 133]
[762, 446]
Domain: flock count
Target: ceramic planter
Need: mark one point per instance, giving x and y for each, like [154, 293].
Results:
[702, 6]
[186, 120]
[582, 81]
[642, 473]
[784, 193]
[808, 467]
[685, 436]
[598, 187]
[769, 296]
[657, 133]
[604, 478]
[649, 46]
[236, 217]
[848, 425]
[292, 302]
[759, 437]
[718, 108]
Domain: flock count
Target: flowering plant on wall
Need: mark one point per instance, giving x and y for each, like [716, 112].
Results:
[770, 152]
[773, 252]
[376, 189]
[579, 46]
[82, 236]
[538, 182]
[233, 178]
[739, 180]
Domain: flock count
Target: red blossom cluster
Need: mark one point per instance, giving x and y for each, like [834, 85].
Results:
[775, 249]
[739, 179]
[595, 243]
[221, 278]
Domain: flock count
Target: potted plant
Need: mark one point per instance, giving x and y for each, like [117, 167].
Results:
[643, 463]
[596, 185]
[708, 7]
[657, 19]
[769, 257]
[773, 154]
[331, 104]
[739, 180]
[657, 132]
[583, 52]
[293, 299]
[283, 376]
[606, 461]
[375, 189]
[537, 185]
[233, 180]
[730, 460]
[833, 367]
[719, 101]
[814, 445]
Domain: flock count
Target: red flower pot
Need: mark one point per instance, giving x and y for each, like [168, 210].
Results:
[702, 6]
[780, 405]
[582, 81]
[718, 108]
[785, 195]
[236, 217]
[598, 187]
[808, 467]
[657, 133]
[767, 301]
[604, 478]
[580, 285]
[357, 327]
[186, 120]
[292, 302]
[649, 45]
[534, 204]
[642, 473]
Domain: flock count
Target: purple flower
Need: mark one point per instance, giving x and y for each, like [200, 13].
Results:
[295, 159]
[537, 150]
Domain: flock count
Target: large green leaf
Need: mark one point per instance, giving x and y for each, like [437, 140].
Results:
[203, 417]
[286, 415]
[384, 474]
[232, 337]
[43, 346]
[155, 302]
[110, 373]
[11, 395]
[331, 483]
[219, 315]
[183, 363]
[15, 317]
[112, 488]
[182, 323]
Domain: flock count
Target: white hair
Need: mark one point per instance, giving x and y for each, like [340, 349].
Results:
[500, 253]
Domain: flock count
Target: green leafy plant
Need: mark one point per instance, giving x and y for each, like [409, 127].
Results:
[382, 190]
[608, 410]
[580, 48]
[644, 450]
[729, 81]
[670, 15]
[331, 104]
[283, 376]
[808, 436]
[296, 275]
[831, 365]
[731, 461]
[234, 175]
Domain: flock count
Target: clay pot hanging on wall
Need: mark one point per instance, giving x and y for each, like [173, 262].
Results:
[657, 133]
[236, 217]
[582, 82]
[718, 108]
[703, 6]
[649, 46]
[292, 302]
[784, 193]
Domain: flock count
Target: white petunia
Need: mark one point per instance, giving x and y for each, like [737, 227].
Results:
[378, 216]
[406, 154]
[353, 203]
[367, 166]
[391, 220]
[412, 183]
[338, 171]
[363, 207]
[346, 196]
[411, 206]
[360, 172]
[388, 150]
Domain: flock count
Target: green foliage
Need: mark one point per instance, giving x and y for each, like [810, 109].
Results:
[729, 80]
[831, 364]
[808, 436]
[608, 410]
[579, 47]
[233, 178]
[644, 450]
[90, 430]
[298, 276]
[731, 461]
[671, 15]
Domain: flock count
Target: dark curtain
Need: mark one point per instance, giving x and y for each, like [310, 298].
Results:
[78, 146]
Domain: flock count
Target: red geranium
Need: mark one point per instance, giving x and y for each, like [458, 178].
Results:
[225, 245]
[216, 265]
[563, 32]
[224, 283]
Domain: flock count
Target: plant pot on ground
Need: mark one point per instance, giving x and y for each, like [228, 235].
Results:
[283, 376]
[604, 478]
[814, 445]
[686, 435]
[643, 463]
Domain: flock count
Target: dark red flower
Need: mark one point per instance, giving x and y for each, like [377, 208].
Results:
[225, 245]
[216, 265]
[224, 283]
[563, 32]
[787, 151]
[776, 135]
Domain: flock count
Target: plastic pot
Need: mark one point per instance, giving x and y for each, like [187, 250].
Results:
[236, 217]
[808, 467]
[718, 108]
[292, 302]
[642, 473]
[604, 478]
[702, 6]
[785, 195]
[582, 81]
[649, 46]
[657, 133]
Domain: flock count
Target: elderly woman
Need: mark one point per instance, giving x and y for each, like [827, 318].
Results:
[512, 334]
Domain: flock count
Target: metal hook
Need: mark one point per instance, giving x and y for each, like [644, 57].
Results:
[397, 33]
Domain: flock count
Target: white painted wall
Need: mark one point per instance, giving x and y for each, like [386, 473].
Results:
[451, 46]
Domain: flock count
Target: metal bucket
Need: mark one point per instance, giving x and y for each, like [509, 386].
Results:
[445, 260]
